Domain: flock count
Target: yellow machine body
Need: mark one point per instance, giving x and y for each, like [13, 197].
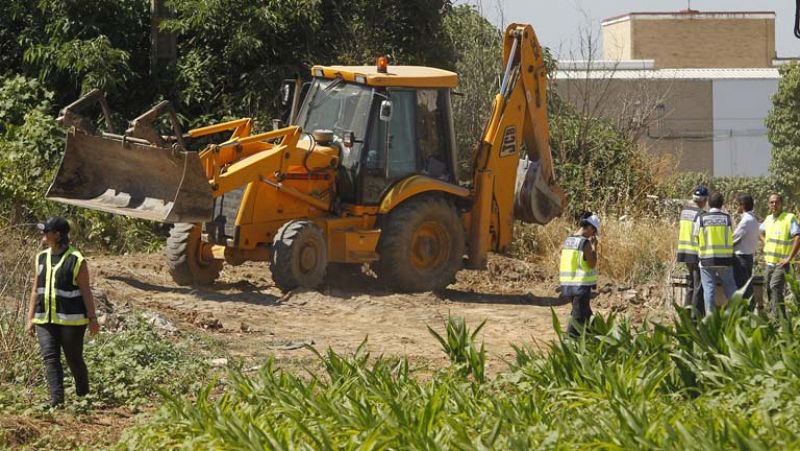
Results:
[294, 174]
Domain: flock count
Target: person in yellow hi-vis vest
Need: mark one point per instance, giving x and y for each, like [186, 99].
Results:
[61, 308]
[714, 233]
[687, 248]
[781, 235]
[578, 271]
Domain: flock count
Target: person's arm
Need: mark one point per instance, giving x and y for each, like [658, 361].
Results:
[32, 302]
[739, 233]
[589, 254]
[794, 231]
[762, 232]
[88, 299]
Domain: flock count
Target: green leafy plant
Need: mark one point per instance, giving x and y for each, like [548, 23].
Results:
[459, 345]
[730, 381]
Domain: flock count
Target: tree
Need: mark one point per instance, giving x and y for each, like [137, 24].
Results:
[783, 131]
[76, 45]
[478, 50]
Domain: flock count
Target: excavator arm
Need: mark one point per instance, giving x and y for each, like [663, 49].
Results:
[505, 186]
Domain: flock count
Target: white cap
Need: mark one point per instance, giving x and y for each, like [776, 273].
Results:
[594, 220]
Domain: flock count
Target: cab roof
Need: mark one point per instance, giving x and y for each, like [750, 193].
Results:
[395, 76]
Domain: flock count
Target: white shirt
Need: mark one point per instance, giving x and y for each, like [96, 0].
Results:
[745, 237]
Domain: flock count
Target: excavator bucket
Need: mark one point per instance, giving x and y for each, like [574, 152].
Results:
[536, 200]
[138, 174]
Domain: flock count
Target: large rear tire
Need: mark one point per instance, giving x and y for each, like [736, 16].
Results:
[421, 246]
[184, 258]
[299, 256]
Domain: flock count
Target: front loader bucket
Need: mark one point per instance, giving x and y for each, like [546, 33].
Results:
[132, 177]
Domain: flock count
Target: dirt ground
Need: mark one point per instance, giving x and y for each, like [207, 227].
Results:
[253, 319]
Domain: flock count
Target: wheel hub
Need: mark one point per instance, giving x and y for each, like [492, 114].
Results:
[308, 258]
[430, 245]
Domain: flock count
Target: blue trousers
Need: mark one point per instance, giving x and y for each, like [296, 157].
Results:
[709, 276]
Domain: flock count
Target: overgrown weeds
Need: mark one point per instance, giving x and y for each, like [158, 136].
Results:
[631, 251]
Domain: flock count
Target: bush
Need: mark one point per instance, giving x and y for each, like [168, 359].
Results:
[783, 123]
[131, 367]
[597, 166]
[681, 186]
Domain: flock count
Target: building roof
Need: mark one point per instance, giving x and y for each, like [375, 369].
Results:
[670, 74]
[691, 13]
[396, 76]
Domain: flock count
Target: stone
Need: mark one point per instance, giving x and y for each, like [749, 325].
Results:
[217, 363]
[159, 322]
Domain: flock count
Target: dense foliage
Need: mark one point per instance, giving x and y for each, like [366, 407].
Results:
[598, 167]
[478, 49]
[732, 381]
[783, 131]
[680, 186]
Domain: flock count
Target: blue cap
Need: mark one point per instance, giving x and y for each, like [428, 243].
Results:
[700, 191]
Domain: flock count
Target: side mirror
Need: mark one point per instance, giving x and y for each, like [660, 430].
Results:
[287, 90]
[386, 110]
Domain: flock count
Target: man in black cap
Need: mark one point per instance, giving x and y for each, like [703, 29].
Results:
[688, 249]
[61, 308]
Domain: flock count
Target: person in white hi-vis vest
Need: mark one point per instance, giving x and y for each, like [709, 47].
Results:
[61, 308]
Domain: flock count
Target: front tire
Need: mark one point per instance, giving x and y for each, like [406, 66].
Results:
[299, 256]
[421, 246]
[184, 257]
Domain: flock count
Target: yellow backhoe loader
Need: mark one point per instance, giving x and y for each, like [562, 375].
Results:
[366, 172]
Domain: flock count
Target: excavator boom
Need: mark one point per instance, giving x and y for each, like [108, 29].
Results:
[518, 124]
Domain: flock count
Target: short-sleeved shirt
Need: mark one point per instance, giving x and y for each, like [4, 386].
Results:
[794, 230]
[745, 237]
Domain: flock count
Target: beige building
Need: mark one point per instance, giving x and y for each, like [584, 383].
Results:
[692, 38]
[700, 120]
[692, 87]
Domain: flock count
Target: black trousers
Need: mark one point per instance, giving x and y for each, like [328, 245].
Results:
[694, 290]
[581, 311]
[52, 339]
[742, 271]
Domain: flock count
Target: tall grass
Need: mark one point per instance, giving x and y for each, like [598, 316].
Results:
[18, 245]
[631, 251]
[730, 382]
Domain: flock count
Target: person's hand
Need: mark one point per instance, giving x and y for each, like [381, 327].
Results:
[31, 329]
[94, 326]
[785, 262]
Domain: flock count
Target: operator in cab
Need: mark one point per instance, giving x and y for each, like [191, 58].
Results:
[578, 271]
